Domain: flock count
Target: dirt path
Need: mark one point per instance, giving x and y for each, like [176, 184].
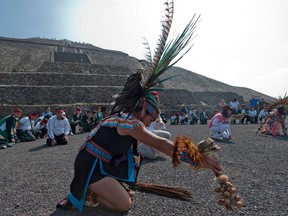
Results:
[33, 177]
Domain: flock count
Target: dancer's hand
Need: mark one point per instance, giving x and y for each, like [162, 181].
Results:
[65, 138]
[184, 157]
[53, 142]
[211, 162]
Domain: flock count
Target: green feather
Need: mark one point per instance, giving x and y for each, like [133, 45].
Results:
[174, 50]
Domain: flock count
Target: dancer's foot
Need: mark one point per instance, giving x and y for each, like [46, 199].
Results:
[64, 204]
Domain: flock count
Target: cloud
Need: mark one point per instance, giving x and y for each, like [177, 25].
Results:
[278, 73]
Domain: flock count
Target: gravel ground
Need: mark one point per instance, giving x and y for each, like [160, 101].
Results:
[34, 177]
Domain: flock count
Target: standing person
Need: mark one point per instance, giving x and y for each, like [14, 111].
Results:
[254, 102]
[106, 158]
[263, 103]
[76, 120]
[219, 126]
[58, 129]
[7, 129]
[157, 127]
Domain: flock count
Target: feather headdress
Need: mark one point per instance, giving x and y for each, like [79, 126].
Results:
[167, 53]
[280, 103]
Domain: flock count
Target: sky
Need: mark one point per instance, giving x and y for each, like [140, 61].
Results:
[238, 42]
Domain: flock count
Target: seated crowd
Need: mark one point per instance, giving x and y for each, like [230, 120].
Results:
[255, 112]
[55, 128]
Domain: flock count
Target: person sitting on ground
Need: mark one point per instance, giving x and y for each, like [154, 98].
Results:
[164, 117]
[40, 118]
[184, 109]
[87, 122]
[41, 127]
[275, 120]
[70, 130]
[174, 119]
[234, 105]
[99, 115]
[94, 116]
[76, 120]
[58, 129]
[7, 129]
[219, 126]
[194, 116]
[203, 116]
[26, 132]
[15, 131]
[252, 116]
[244, 112]
[183, 119]
[157, 127]
[263, 114]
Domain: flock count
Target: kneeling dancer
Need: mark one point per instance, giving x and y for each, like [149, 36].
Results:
[109, 155]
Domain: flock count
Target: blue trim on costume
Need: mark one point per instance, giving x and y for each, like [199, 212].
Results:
[131, 170]
[98, 152]
[152, 111]
[79, 204]
[116, 124]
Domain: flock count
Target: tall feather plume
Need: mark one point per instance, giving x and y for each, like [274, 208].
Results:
[166, 26]
[167, 52]
[280, 101]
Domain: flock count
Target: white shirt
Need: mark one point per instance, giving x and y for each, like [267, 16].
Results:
[263, 113]
[25, 123]
[252, 113]
[58, 126]
[156, 126]
[38, 125]
[234, 105]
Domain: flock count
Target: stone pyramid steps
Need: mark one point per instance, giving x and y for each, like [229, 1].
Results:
[60, 79]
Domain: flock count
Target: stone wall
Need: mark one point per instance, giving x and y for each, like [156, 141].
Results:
[60, 79]
[71, 57]
[36, 73]
[87, 85]
[66, 67]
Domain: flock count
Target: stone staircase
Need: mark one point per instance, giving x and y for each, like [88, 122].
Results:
[32, 91]
[86, 85]
[36, 73]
